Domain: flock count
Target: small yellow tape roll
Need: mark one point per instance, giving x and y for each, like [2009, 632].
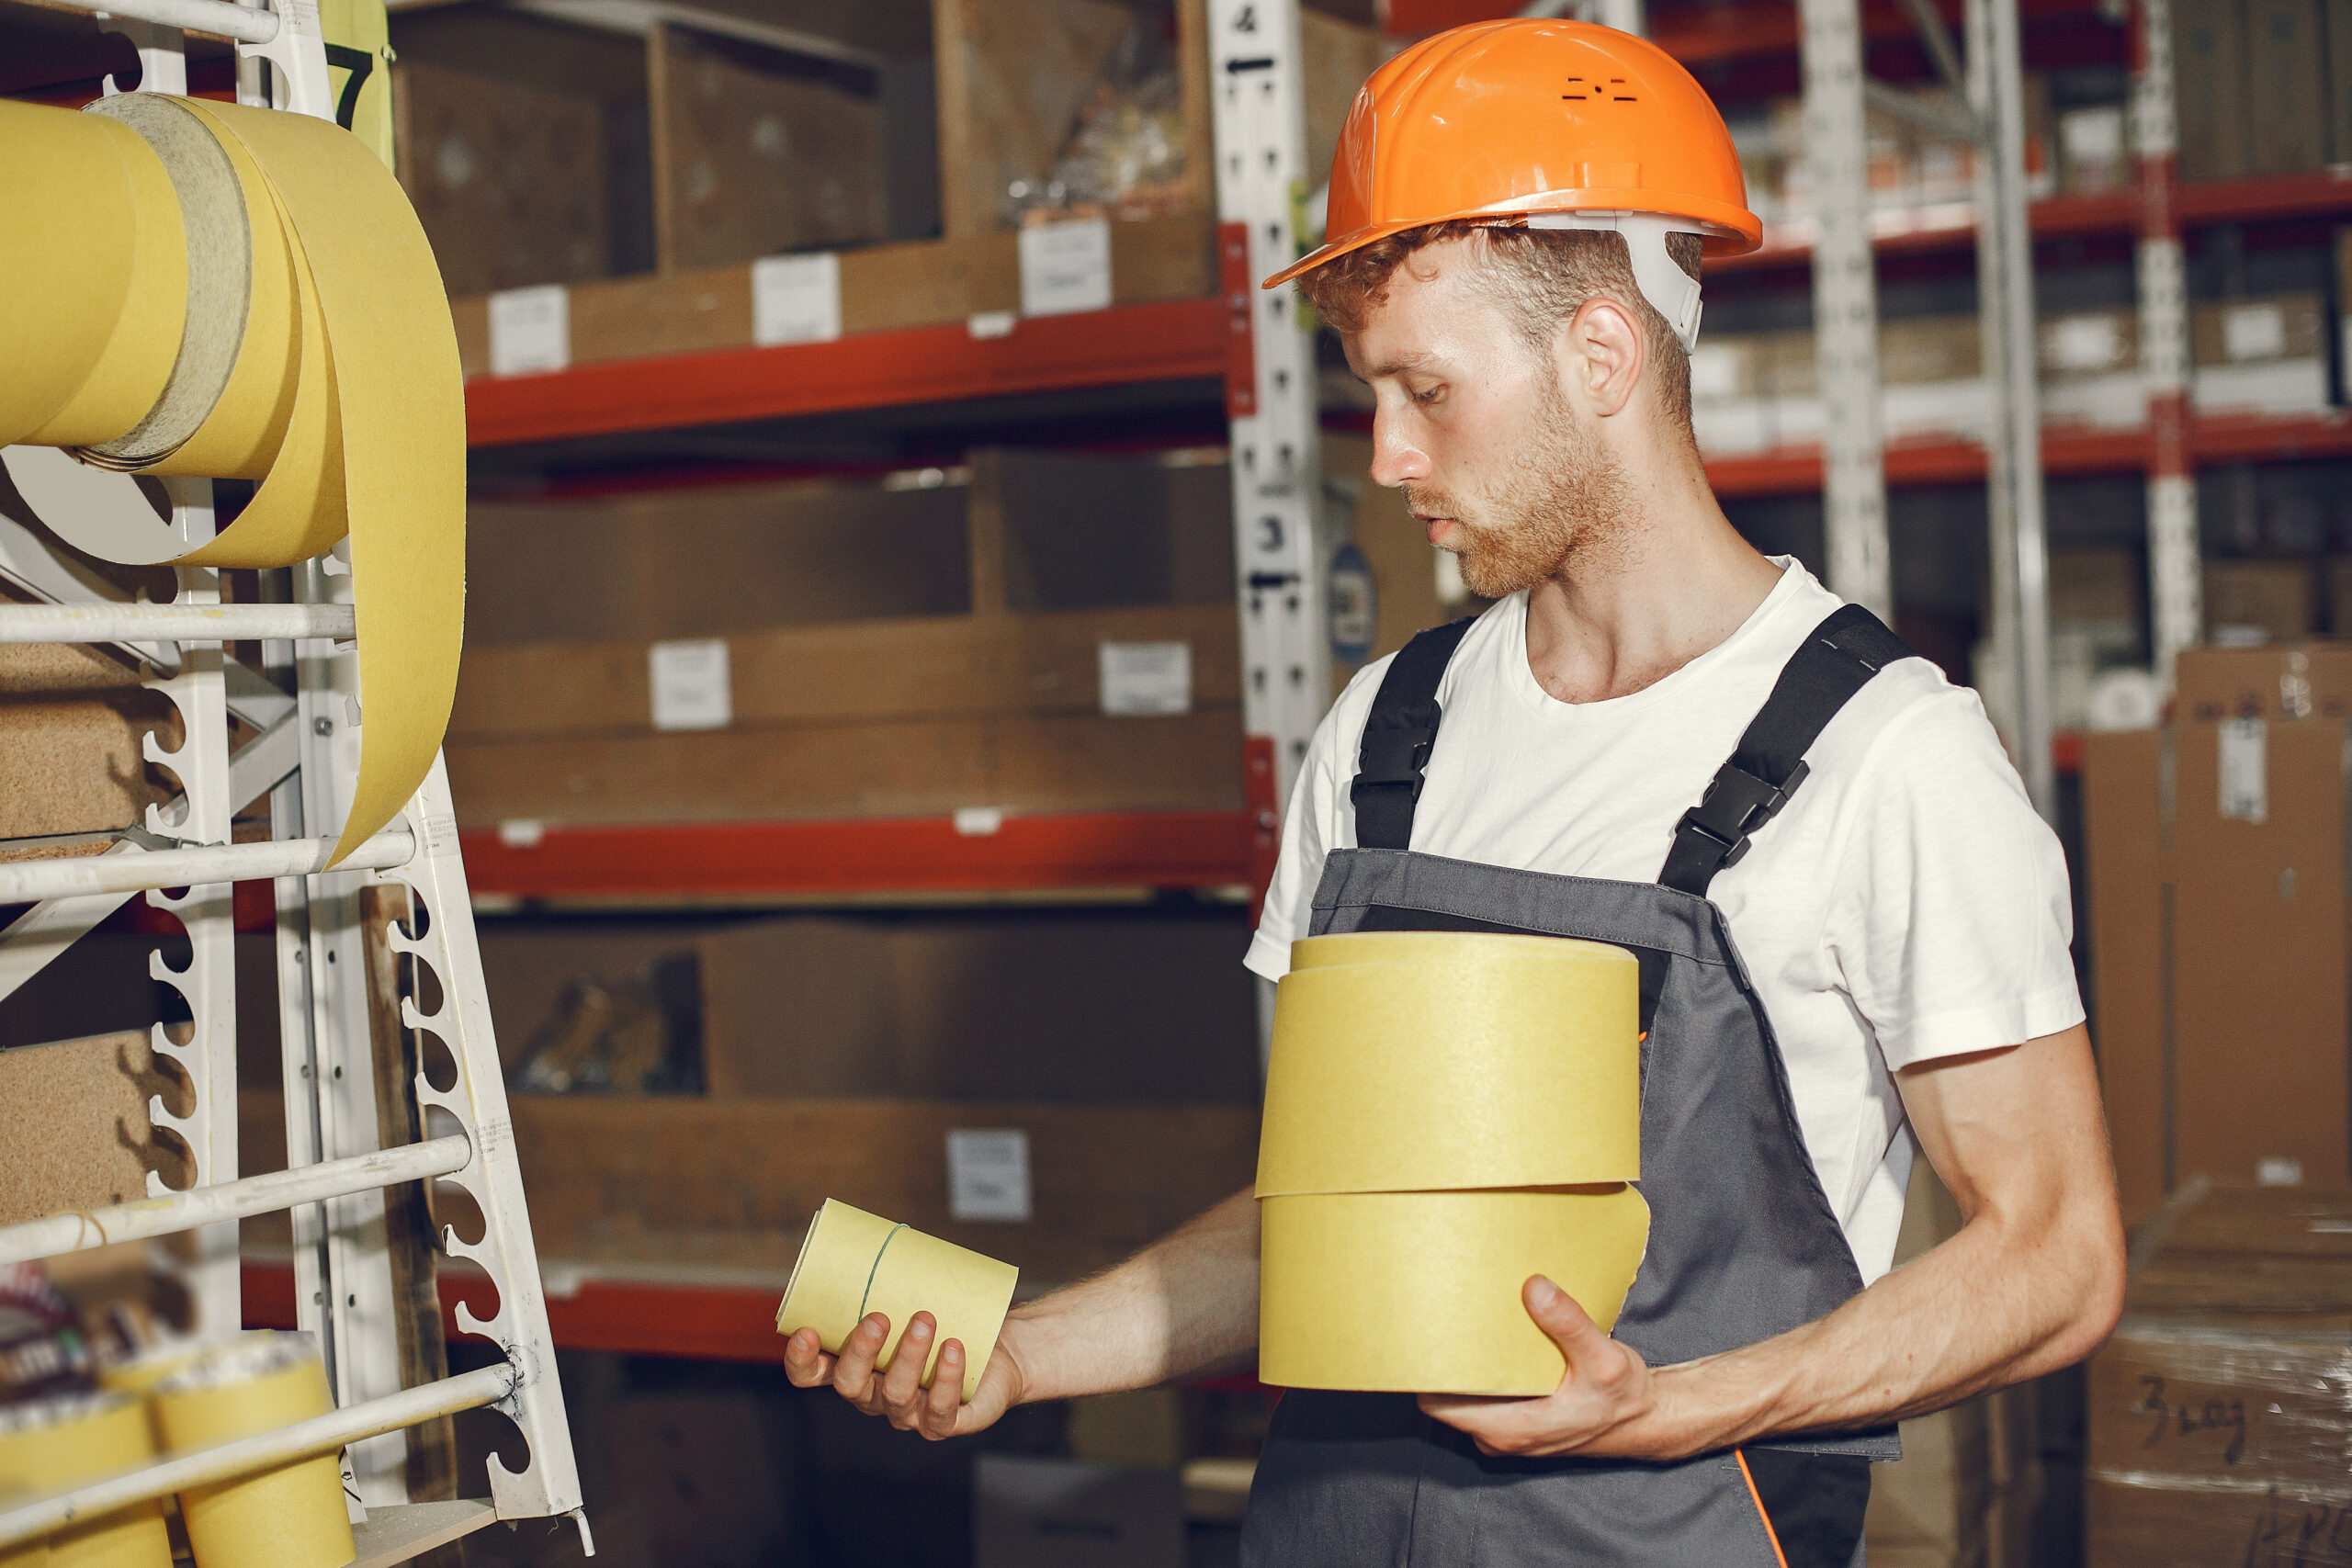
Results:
[61, 1443]
[853, 1263]
[292, 1516]
[1419, 1292]
[1409, 1061]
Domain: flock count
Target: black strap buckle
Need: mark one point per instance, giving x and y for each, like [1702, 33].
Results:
[1736, 803]
[1396, 753]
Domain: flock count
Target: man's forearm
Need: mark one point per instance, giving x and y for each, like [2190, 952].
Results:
[1183, 1305]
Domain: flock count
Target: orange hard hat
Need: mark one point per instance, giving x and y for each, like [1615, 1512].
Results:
[1512, 120]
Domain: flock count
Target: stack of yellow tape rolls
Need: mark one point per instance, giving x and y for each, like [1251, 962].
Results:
[197, 289]
[1446, 1115]
[54, 1444]
[290, 1516]
[853, 1264]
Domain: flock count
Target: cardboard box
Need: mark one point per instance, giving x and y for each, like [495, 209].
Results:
[1338, 56]
[74, 723]
[1060, 1513]
[74, 1131]
[2261, 600]
[2287, 63]
[2264, 356]
[1100, 1008]
[2093, 150]
[686, 1182]
[508, 177]
[2219, 928]
[2309, 680]
[2208, 50]
[756, 151]
[2217, 1416]
[883, 289]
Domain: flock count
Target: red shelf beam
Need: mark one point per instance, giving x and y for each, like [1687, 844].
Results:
[2217, 439]
[923, 854]
[2317, 194]
[1172, 341]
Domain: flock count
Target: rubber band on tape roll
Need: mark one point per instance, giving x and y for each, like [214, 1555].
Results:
[853, 1263]
[206, 289]
[290, 1516]
[54, 1444]
[1447, 1114]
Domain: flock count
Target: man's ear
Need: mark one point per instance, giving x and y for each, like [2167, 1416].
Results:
[1602, 353]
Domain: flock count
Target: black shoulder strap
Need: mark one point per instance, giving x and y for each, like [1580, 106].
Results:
[1836, 660]
[1398, 737]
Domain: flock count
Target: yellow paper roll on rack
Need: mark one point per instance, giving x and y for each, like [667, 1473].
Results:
[853, 1263]
[200, 289]
[291, 1517]
[54, 1444]
[1447, 1114]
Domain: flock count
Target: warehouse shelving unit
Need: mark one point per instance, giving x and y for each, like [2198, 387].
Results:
[302, 758]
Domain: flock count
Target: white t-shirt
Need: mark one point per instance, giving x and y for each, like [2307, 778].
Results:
[1906, 904]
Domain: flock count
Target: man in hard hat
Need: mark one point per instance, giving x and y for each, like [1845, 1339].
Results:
[1853, 928]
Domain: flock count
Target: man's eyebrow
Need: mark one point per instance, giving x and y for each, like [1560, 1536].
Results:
[1396, 366]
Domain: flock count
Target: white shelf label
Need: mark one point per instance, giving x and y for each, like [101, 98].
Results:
[2087, 343]
[530, 328]
[2245, 773]
[988, 1174]
[1066, 267]
[691, 686]
[1145, 677]
[2254, 331]
[796, 298]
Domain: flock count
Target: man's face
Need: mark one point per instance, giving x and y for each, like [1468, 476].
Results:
[1474, 423]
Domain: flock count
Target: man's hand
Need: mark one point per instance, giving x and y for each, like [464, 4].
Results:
[1598, 1409]
[936, 1411]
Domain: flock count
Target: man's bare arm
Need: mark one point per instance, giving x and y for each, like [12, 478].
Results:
[1185, 1304]
[2032, 1282]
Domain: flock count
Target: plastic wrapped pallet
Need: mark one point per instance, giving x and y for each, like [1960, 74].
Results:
[2221, 1412]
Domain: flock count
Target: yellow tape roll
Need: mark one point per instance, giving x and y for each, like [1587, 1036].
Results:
[1407, 1061]
[58, 1443]
[207, 289]
[1419, 1292]
[854, 1263]
[292, 1516]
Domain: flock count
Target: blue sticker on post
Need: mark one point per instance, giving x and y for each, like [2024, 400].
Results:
[1354, 605]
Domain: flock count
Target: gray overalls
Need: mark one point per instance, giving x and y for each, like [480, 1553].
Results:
[1742, 1244]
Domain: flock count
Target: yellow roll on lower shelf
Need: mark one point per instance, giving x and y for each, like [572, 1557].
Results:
[854, 1263]
[291, 1517]
[1414, 1061]
[54, 1444]
[1419, 1292]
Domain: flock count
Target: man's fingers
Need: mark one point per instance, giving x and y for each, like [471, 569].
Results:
[947, 1392]
[1557, 1314]
[902, 1384]
[853, 1368]
[805, 1362]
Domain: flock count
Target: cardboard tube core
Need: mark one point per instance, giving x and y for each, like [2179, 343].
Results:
[853, 1263]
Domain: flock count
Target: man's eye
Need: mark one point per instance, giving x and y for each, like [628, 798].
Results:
[1429, 394]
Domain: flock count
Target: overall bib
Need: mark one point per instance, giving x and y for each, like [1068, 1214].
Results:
[1743, 1243]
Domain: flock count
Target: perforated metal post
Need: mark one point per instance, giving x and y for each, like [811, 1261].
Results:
[1261, 138]
[1845, 307]
[2175, 584]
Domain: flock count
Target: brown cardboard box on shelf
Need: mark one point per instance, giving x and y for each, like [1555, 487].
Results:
[974, 682]
[2311, 680]
[2208, 47]
[74, 721]
[883, 289]
[2287, 65]
[1093, 1008]
[2278, 600]
[2217, 1416]
[1339, 57]
[756, 151]
[2216, 854]
[732, 1184]
[2266, 356]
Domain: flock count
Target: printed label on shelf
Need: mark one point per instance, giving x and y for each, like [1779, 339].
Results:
[1146, 677]
[990, 323]
[2085, 342]
[2254, 331]
[2245, 773]
[530, 328]
[1066, 267]
[691, 686]
[796, 298]
[988, 1174]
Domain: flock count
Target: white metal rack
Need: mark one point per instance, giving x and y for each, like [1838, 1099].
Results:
[304, 760]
